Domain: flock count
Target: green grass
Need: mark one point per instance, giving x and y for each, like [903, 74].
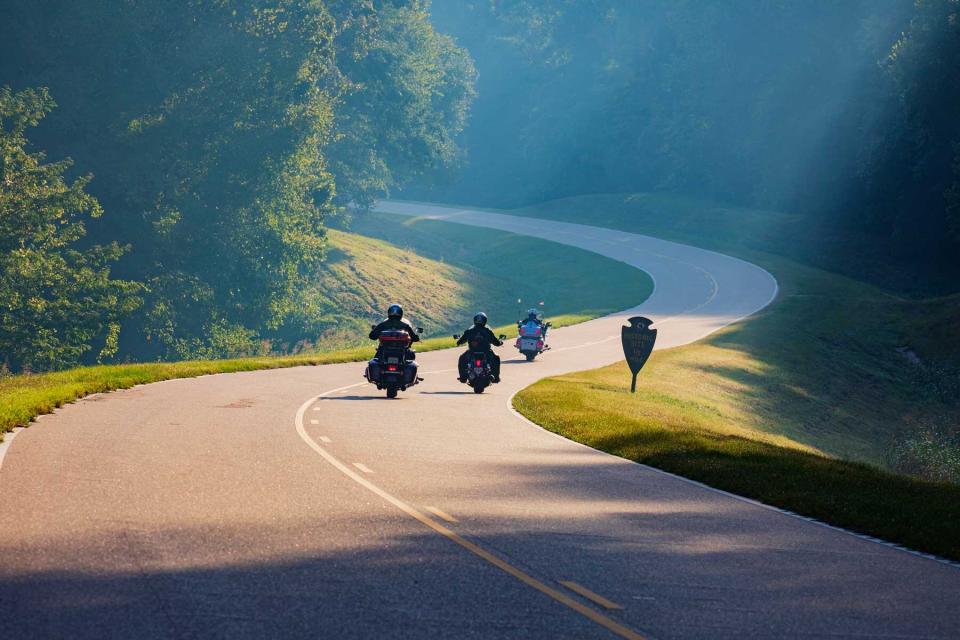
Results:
[362, 276]
[500, 268]
[799, 406]
[444, 273]
[24, 397]
[680, 437]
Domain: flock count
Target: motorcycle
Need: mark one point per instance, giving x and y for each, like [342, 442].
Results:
[531, 338]
[394, 367]
[479, 370]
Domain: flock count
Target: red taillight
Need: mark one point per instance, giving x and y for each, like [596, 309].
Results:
[479, 363]
[391, 367]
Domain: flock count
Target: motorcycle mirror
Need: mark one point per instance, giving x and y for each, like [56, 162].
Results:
[503, 337]
[373, 326]
[456, 337]
[419, 329]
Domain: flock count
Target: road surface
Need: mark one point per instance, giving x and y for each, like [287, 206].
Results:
[301, 503]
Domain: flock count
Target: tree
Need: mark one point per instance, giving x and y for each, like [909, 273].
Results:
[227, 132]
[57, 300]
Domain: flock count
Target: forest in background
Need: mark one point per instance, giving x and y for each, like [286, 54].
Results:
[216, 138]
[168, 168]
[844, 113]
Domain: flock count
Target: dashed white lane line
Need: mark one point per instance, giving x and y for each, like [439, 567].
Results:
[441, 514]
[325, 440]
[363, 467]
[314, 422]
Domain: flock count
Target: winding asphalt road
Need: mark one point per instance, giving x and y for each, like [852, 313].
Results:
[301, 503]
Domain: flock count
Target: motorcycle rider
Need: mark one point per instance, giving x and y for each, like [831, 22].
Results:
[532, 317]
[394, 321]
[479, 338]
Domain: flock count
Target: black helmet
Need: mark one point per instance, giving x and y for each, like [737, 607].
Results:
[532, 313]
[480, 319]
[395, 311]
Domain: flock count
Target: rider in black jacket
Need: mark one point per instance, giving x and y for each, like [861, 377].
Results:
[479, 338]
[395, 321]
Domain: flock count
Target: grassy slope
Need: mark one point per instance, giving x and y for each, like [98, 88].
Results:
[569, 281]
[747, 408]
[362, 276]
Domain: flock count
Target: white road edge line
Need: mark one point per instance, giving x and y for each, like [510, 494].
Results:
[7, 441]
[776, 292]
[861, 536]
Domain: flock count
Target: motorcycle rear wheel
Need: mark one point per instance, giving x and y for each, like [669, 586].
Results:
[530, 356]
[391, 392]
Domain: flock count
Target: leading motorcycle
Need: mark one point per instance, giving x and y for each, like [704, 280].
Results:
[394, 366]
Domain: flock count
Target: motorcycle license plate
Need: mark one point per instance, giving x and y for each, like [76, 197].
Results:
[393, 360]
[528, 345]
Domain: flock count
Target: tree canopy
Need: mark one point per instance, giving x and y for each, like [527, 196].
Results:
[223, 134]
[57, 299]
[844, 112]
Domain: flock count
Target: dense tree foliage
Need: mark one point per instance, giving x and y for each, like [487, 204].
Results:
[222, 134]
[57, 300]
[842, 111]
[910, 163]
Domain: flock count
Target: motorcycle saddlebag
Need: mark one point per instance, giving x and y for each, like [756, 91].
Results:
[410, 373]
[373, 371]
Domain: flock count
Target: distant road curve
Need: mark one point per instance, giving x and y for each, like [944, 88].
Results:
[301, 503]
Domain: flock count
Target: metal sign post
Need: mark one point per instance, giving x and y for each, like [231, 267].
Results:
[638, 340]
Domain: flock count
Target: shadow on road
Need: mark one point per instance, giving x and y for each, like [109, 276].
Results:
[447, 393]
[308, 578]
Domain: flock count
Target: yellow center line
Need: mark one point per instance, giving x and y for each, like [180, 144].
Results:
[477, 550]
[441, 514]
[590, 595]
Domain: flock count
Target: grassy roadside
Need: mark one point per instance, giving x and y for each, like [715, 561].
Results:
[806, 405]
[24, 397]
[676, 436]
[441, 294]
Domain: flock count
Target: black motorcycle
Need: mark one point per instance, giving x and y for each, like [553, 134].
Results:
[479, 370]
[394, 367]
